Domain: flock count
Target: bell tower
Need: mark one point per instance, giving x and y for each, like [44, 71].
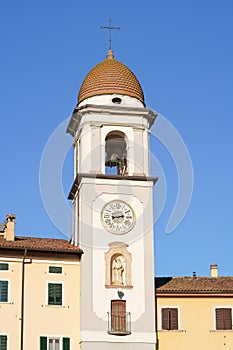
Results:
[112, 197]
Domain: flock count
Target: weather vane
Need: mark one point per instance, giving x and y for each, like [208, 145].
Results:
[110, 28]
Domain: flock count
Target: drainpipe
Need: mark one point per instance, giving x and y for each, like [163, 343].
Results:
[22, 298]
[156, 317]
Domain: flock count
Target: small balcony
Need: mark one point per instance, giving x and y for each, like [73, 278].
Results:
[119, 324]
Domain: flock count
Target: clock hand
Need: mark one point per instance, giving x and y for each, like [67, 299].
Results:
[117, 216]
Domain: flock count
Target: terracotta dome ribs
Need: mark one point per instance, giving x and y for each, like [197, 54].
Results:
[109, 77]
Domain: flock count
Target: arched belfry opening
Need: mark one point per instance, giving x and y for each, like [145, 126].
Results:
[116, 153]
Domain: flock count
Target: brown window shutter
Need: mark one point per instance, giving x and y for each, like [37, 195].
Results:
[165, 318]
[169, 318]
[173, 318]
[219, 318]
[223, 318]
[227, 318]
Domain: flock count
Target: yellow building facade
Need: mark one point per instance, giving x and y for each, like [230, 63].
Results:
[39, 292]
[194, 312]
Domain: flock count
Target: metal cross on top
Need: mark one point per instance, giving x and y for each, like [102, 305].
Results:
[110, 28]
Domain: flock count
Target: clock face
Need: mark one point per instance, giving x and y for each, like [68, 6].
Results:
[117, 217]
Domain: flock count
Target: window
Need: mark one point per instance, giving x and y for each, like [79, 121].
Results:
[3, 342]
[54, 343]
[55, 269]
[55, 294]
[223, 318]
[3, 292]
[4, 266]
[169, 318]
[117, 100]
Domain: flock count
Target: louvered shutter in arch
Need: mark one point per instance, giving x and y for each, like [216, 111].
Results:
[66, 344]
[3, 291]
[43, 343]
[165, 318]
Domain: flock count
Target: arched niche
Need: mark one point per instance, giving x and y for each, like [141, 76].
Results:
[118, 269]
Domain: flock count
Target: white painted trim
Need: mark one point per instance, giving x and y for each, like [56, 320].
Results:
[59, 262]
[40, 261]
[126, 183]
[135, 337]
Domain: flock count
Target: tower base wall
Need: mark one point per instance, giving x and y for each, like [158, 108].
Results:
[116, 346]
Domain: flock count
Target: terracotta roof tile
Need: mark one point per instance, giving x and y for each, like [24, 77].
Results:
[43, 244]
[194, 285]
[108, 77]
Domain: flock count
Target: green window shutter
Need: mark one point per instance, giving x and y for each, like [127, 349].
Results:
[55, 269]
[43, 343]
[3, 291]
[55, 294]
[4, 266]
[3, 342]
[66, 344]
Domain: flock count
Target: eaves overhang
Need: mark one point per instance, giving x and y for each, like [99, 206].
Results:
[196, 294]
[91, 109]
[79, 177]
[40, 250]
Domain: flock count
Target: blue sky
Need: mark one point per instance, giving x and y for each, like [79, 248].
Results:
[182, 53]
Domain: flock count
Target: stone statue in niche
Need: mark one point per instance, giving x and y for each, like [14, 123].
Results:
[117, 271]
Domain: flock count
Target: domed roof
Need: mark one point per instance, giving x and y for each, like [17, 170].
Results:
[110, 77]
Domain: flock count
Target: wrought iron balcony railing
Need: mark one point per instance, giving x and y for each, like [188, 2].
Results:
[119, 324]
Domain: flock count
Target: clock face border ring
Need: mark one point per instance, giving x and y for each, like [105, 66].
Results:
[114, 231]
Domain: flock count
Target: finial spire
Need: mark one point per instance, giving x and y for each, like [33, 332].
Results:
[110, 54]
[110, 28]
